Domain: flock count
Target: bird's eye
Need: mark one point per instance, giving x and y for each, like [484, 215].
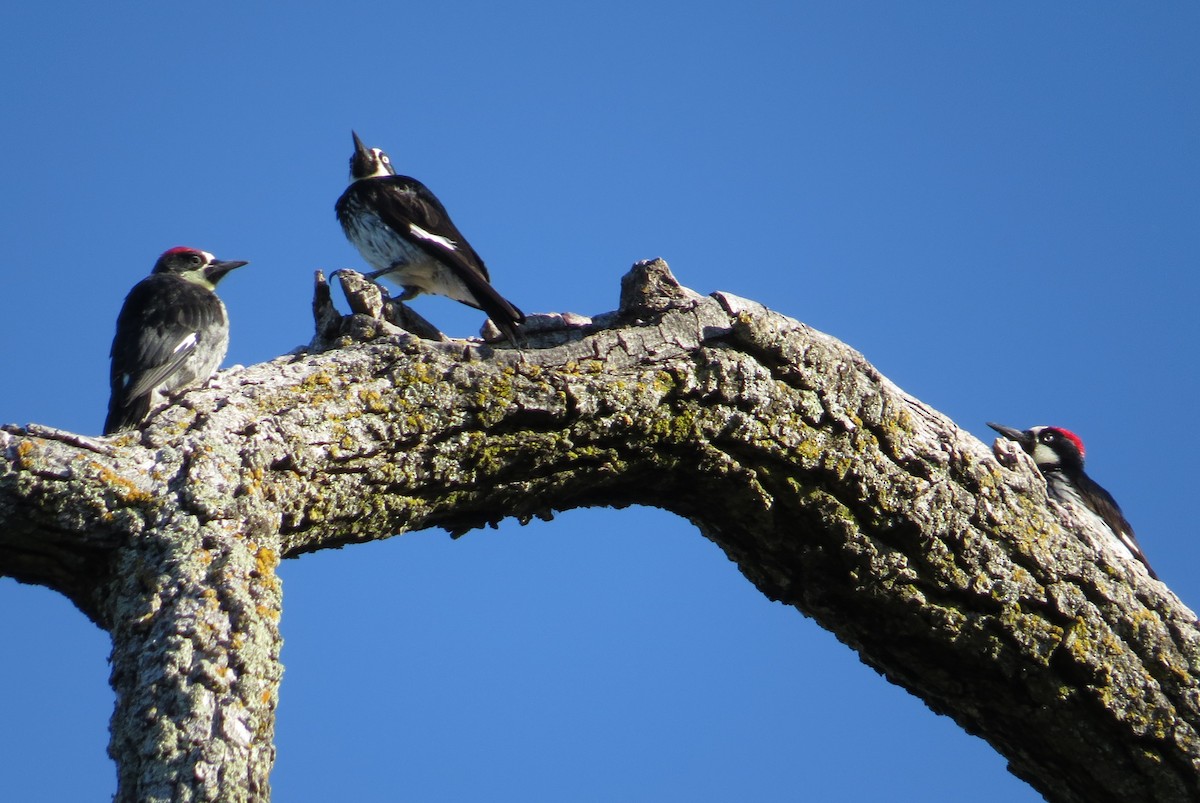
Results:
[383, 157]
[196, 259]
[1048, 436]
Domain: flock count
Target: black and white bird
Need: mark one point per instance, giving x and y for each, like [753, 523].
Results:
[403, 231]
[172, 333]
[1058, 454]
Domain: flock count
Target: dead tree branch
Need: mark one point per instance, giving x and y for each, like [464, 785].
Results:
[833, 490]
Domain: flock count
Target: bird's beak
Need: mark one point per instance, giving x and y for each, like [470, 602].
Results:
[1023, 438]
[359, 147]
[218, 268]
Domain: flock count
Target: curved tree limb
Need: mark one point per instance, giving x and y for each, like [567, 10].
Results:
[944, 566]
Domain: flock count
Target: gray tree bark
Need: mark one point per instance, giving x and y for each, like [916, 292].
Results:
[942, 564]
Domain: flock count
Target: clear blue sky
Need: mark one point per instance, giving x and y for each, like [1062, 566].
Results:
[996, 203]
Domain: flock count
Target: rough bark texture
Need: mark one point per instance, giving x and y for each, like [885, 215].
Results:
[944, 566]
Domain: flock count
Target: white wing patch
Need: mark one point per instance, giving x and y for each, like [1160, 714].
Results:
[161, 375]
[187, 343]
[444, 242]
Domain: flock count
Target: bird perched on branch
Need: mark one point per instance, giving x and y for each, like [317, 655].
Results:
[403, 231]
[172, 333]
[1058, 454]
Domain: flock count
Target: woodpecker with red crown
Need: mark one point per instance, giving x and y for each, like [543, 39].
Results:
[1058, 454]
[172, 333]
[405, 233]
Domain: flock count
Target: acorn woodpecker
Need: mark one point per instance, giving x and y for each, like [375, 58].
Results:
[1058, 454]
[172, 333]
[404, 232]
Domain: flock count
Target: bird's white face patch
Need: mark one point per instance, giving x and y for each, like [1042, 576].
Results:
[1043, 455]
[383, 167]
[444, 242]
[197, 276]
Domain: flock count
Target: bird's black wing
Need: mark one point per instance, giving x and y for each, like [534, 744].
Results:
[159, 327]
[408, 206]
[1106, 507]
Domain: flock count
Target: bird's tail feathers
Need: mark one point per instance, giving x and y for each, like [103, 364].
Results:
[126, 413]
